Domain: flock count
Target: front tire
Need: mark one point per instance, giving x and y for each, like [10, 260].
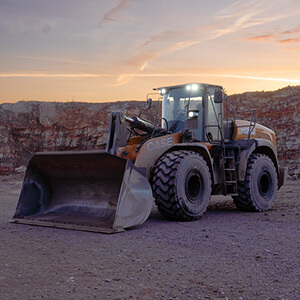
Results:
[181, 185]
[258, 191]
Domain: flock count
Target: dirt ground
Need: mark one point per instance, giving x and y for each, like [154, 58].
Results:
[227, 254]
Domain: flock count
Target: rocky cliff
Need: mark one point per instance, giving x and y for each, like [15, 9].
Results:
[280, 111]
[27, 127]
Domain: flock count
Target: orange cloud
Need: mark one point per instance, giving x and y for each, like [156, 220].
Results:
[46, 59]
[292, 31]
[46, 75]
[263, 38]
[109, 16]
[277, 36]
[290, 41]
[237, 16]
[292, 49]
[127, 76]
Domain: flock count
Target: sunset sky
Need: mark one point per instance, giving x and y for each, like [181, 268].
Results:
[109, 50]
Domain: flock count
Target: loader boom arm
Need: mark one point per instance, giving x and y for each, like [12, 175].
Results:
[144, 125]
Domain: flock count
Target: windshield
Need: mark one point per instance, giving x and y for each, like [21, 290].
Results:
[176, 105]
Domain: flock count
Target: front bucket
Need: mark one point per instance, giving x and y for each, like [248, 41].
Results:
[84, 190]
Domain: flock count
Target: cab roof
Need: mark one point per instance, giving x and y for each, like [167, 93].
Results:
[184, 85]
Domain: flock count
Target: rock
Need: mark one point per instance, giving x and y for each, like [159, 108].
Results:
[278, 110]
[21, 169]
[28, 127]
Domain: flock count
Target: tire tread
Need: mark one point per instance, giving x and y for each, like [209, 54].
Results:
[244, 199]
[164, 189]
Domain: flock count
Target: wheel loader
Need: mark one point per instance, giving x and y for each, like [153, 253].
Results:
[178, 161]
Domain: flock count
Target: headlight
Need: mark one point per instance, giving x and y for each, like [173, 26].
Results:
[192, 87]
[193, 114]
[195, 87]
[162, 91]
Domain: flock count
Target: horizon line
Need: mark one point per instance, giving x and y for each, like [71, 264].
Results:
[95, 75]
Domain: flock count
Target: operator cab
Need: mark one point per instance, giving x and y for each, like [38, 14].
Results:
[195, 106]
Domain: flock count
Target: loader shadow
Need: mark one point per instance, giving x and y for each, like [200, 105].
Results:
[217, 205]
[228, 206]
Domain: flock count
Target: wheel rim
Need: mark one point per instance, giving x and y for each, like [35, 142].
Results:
[193, 186]
[264, 184]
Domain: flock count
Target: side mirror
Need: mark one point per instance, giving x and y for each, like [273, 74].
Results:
[149, 103]
[218, 96]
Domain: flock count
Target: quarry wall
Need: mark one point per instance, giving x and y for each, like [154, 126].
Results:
[280, 111]
[27, 127]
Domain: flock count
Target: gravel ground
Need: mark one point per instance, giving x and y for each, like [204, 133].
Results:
[227, 254]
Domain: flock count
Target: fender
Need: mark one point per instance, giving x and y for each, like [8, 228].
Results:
[203, 150]
[155, 148]
[264, 147]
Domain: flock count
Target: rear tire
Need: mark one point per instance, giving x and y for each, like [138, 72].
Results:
[181, 185]
[258, 191]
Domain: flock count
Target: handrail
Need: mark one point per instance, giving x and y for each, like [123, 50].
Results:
[252, 123]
